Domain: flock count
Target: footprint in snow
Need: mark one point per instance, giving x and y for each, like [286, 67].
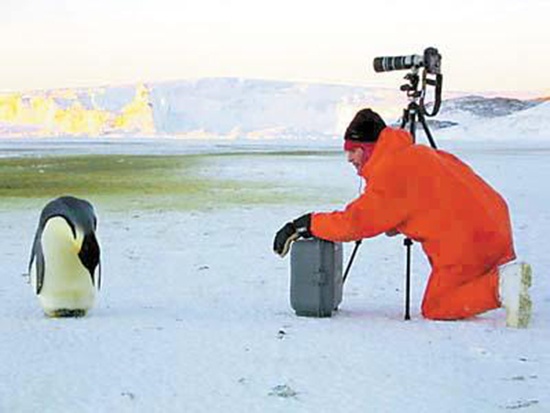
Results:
[284, 391]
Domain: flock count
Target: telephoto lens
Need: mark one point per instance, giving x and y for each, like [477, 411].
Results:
[389, 63]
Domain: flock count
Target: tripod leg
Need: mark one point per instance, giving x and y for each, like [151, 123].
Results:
[412, 111]
[408, 243]
[348, 267]
[422, 119]
[412, 126]
[405, 118]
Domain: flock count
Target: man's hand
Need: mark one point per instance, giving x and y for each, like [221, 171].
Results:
[290, 232]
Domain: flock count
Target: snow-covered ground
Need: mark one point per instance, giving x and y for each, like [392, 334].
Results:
[194, 314]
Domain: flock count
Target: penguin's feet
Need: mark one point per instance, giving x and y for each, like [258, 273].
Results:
[66, 313]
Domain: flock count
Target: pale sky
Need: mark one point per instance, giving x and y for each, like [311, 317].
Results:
[486, 45]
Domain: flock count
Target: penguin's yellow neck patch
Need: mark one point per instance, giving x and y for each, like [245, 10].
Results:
[57, 234]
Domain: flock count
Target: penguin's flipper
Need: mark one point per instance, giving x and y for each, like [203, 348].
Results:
[99, 276]
[40, 269]
[37, 258]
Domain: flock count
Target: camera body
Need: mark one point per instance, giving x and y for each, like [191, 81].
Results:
[432, 61]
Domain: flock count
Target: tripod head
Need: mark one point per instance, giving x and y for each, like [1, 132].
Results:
[416, 91]
[416, 108]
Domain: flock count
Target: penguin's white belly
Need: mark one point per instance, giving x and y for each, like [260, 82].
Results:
[67, 283]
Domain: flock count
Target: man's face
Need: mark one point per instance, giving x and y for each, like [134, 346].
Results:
[355, 157]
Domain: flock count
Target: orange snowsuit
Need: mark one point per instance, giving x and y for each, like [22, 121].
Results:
[435, 199]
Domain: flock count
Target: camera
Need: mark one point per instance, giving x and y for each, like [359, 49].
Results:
[431, 61]
[417, 84]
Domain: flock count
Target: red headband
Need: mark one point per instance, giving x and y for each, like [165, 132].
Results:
[350, 145]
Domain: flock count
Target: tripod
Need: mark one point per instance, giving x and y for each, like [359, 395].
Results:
[413, 112]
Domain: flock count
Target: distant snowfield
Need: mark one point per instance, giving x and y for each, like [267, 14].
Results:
[194, 314]
[250, 109]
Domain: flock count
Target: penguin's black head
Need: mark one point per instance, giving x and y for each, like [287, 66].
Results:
[77, 212]
[80, 216]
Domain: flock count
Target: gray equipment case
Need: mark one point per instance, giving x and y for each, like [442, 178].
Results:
[315, 277]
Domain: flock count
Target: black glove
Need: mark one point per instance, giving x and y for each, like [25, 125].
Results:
[291, 231]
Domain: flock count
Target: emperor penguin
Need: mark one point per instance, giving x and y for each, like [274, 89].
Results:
[64, 267]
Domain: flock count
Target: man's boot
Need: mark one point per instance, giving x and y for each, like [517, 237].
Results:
[514, 282]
